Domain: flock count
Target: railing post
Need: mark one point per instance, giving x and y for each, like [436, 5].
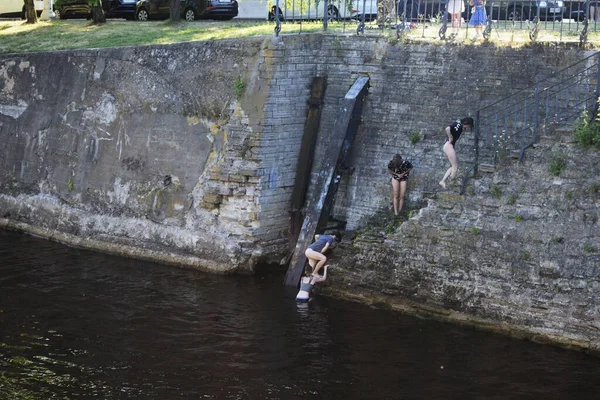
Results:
[444, 28]
[488, 26]
[277, 21]
[536, 106]
[401, 27]
[597, 93]
[583, 34]
[325, 15]
[361, 26]
[477, 129]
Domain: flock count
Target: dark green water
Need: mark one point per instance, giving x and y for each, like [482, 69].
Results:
[76, 324]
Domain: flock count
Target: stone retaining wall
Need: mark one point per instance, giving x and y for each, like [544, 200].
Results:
[187, 154]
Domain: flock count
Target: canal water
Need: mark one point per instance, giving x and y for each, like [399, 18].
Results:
[76, 324]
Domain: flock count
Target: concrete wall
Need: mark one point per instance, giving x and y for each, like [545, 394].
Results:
[187, 154]
[119, 150]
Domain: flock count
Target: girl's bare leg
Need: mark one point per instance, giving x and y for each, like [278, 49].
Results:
[315, 258]
[320, 265]
[402, 191]
[396, 190]
[451, 172]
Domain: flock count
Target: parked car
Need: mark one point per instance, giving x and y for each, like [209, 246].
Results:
[64, 9]
[367, 7]
[16, 8]
[81, 9]
[253, 9]
[314, 10]
[221, 9]
[526, 10]
[575, 10]
[420, 10]
[512, 10]
[119, 8]
[190, 9]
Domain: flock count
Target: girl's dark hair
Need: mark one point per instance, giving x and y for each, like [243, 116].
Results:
[308, 270]
[468, 121]
[397, 160]
[337, 234]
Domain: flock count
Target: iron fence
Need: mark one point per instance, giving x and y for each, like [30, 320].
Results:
[509, 126]
[566, 20]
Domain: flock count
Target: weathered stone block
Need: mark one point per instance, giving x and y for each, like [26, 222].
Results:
[213, 198]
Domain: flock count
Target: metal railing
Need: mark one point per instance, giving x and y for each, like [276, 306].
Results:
[565, 20]
[509, 126]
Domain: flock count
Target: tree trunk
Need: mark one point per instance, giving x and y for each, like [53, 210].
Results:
[30, 13]
[98, 16]
[175, 10]
[380, 12]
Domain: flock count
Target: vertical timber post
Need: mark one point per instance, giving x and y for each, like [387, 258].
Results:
[323, 189]
[305, 159]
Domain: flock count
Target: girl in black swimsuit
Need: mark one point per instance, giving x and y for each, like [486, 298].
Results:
[453, 132]
[399, 169]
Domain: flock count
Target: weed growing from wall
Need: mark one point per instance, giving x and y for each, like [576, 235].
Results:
[557, 164]
[502, 149]
[414, 137]
[587, 133]
[239, 86]
[496, 192]
[393, 40]
[70, 184]
[569, 195]
[475, 231]
[594, 189]
[518, 218]
[558, 240]
[337, 46]
[526, 256]
[512, 200]
[589, 249]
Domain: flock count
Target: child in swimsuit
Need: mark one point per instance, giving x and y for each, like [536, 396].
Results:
[400, 170]
[308, 281]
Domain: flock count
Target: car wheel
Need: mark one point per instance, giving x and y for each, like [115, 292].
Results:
[58, 14]
[189, 15]
[142, 15]
[272, 14]
[333, 14]
[515, 14]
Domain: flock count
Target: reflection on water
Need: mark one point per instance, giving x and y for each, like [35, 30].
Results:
[76, 324]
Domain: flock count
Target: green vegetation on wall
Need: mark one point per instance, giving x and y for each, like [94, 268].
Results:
[587, 132]
[239, 87]
[556, 165]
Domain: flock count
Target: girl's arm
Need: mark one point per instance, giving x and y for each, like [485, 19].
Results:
[325, 248]
[404, 173]
[448, 133]
[318, 279]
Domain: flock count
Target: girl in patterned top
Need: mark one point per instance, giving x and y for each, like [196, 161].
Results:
[399, 169]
